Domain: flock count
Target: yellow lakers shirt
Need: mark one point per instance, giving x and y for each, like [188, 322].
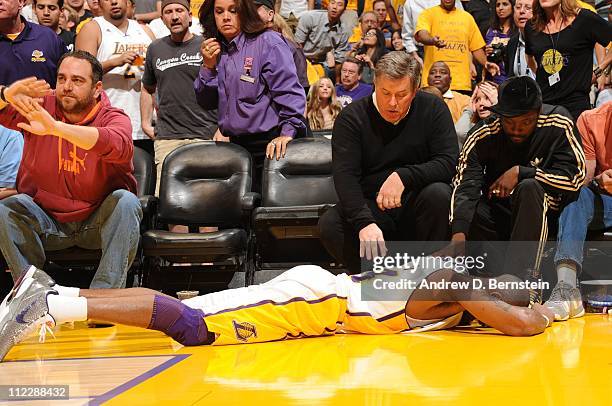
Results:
[459, 30]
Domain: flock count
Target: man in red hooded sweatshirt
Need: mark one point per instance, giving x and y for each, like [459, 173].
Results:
[75, 183]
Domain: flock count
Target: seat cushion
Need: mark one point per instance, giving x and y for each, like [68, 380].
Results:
[226, 242]
[289, 214]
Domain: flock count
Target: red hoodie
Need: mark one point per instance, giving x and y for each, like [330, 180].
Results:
[68, 182]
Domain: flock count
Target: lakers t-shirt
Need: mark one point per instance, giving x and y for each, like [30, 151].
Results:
[459, 30]
[568, 53]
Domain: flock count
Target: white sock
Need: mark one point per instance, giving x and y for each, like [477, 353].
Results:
[66, 291]
[567, 273]
[64, 308]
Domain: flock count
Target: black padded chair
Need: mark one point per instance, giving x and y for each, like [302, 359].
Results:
[202, 184]
[62, 263]
[296, 191]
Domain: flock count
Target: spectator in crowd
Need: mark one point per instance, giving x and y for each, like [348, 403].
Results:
[76, 183]
[82, 13]
[595, 127]
[451, 35]
[497, 37]
[367, 21]
[369, 53]
[26, 49]
[11, 148]
[394, 155]
[515, 172]
[351, 88]
[28, 12]
[70, 18]
[322, 37]
[412, 11]
[94, 7]
[481, 11]
[249, 74]
[120, 44]
[484, 96]
[266, 8]
[440, 76]
[384, 25]
[48, 14]
[147, 10]
[515, 62]
[171, 66]
[322, 106]
[563, 58]
[397, 43]
[292, 11]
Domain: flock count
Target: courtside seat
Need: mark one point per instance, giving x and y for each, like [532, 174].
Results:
[203, 184]
[296, 191]
[62, 263]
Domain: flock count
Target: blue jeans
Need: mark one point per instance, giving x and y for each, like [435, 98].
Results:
[576, 219]
[26, 231]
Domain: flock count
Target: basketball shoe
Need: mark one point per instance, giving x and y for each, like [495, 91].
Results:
[565, 302]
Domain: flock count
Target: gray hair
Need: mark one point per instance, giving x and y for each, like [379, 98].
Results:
[398, 65]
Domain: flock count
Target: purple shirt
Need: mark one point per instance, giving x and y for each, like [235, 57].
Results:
[35, 52]
[346, 97]
[503, 38]
[255, 86]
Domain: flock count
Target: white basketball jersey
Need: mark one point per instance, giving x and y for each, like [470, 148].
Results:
[122, 84]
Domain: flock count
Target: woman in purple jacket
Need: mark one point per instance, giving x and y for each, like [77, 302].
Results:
[248, 73]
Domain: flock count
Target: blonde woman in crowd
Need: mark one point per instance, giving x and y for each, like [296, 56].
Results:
[322, 106]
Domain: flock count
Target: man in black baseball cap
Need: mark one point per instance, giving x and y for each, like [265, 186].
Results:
[265, 9]
[517, 169]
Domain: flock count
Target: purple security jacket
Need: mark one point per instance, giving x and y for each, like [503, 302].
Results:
[255, 87]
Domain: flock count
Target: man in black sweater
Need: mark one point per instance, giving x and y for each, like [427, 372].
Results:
[515, 171]
[394, 155]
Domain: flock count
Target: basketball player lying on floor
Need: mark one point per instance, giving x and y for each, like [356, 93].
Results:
[304, 301]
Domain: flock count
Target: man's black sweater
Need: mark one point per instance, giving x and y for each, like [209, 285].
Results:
[366, 149]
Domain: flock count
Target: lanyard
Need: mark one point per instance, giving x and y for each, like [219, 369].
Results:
[553, 43]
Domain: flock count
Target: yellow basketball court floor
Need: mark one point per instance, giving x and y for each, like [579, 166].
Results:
[569, 364]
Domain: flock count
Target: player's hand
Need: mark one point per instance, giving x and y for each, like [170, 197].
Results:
[371, 242]
[390, 194]
[492, 68]
[278, 145]
[545, 311]
[218, 137]
[505, 184]
[41, 122]
[210, 49]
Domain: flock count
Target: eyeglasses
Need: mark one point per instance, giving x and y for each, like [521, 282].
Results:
[370, 34]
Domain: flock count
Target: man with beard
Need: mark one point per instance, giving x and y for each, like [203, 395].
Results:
[75, 183]
[120, 45]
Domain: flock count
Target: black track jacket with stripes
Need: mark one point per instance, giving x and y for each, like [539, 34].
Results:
[552, 155]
